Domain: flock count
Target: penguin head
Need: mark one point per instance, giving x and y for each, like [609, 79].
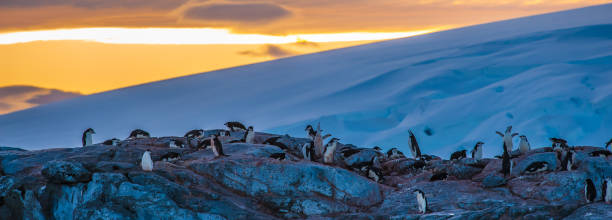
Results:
[308, 128]
[418, 192]
[377, 148]
[479, 144]
[90, 131]
[509, 129]
[334, 140]
[250, 128]
[148, 151]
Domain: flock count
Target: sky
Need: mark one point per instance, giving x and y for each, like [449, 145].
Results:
[51, 50]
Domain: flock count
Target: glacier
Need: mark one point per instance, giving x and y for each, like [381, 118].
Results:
[548, 75]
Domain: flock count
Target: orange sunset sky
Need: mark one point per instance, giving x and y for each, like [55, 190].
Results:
[51, 50]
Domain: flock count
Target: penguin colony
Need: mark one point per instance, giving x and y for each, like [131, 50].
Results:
[314, 150]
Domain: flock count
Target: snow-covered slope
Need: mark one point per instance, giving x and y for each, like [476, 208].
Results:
[548, 75]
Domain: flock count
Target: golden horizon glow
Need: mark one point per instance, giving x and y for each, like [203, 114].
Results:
[180, 36]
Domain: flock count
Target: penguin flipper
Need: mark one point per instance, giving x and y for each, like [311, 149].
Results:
[499, 133]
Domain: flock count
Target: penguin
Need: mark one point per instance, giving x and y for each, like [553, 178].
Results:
[112, 142]
[330, 148]
[171, 156]
[146, 163]
[235, 126]
[414, 146]
[274, 141]
[372, 172]
[568, 161]
[458, 155]
[507, 136]
[419, 164]
[308, 151]
[87, 140]
[506, 162]
[318, 142]
[589, 191]
[537, 167]
[310, 132]
[438, 176]
[349, 151]
[394, 153]
[477, 151]
[377, 148]
[249, 136]
[205, 143]
[558, 144]
[524, 144]
[217, 147]
[197, 133]
[138, 133]
[421, 201]
[224, 134]
[175, 144]
[600, 153]
[606, 190]
[278, 156]
[608, 144]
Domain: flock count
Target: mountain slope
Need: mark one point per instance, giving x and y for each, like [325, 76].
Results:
[548, 75]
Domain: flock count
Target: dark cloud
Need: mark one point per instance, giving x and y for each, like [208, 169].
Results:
[95, 4]
[256, 12]
[268, 50]
[15, 98]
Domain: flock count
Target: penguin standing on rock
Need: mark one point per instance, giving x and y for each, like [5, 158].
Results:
[138, 133]
[589, 191]
[330, 148]
[568, 161]
[308, 151]
[507, 136]
[421, 201]
[394, 153]
[235, 126]
[87, 140]
[606, 190]
[414, 146]
[558, 144]
[524, 144]
[249, 136]
[536, 167]
[217, 147]
[310, 132]
[175, 144]
[146, 162]
[477, 151]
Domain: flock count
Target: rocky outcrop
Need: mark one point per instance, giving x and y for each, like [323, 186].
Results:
[106, 182]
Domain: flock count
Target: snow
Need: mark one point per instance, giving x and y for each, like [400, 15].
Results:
[547, 75]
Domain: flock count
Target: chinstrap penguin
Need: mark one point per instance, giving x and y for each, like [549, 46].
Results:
[438, 176]
[330, 148]
[274, 141]
[568, 161]
[477, 151]
[171, 156]
[536, 167]
[308, 151]
[507, 137]
[197, 133]
[249, 136]
[458, 155]
[235, 126]
[589, 191]
[87, 139]
[175, 144]
[524, 146]
[278, 156]
[217, 146]
[146, 162]
[421, 201]
[138, 133]
[414, 146]
[600, 153]
[558, 144]
[394, 153]
[111, 142]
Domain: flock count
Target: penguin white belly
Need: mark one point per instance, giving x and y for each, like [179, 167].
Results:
[478, 154]
[305, 151]
[173, 145]
[373, 175]
[215, 150]
[508, 141]
[88, 139]
[250, 138]
[146, 163]
[328, 157]
[523, 147]
[422, 203]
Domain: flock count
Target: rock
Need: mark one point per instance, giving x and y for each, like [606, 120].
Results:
[524, 162]
[595, 211]
[65, 172]
[493, 181]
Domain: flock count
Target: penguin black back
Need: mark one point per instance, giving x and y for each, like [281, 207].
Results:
[234, 125]
[274, 141]
[537, 166]
[219, 146]
[415, 145]
[139, 132]
[278, 156]
[194, 133]
[506, 163]
[458, 155]
[85, 133]
[600, 153]
[589, 191]
[439, 176]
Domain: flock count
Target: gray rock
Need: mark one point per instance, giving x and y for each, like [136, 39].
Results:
[493, 181]
[65, 172]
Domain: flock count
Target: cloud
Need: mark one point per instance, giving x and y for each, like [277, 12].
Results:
[268, 50]
[255, 12]
[95, 4]
[15, 98]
